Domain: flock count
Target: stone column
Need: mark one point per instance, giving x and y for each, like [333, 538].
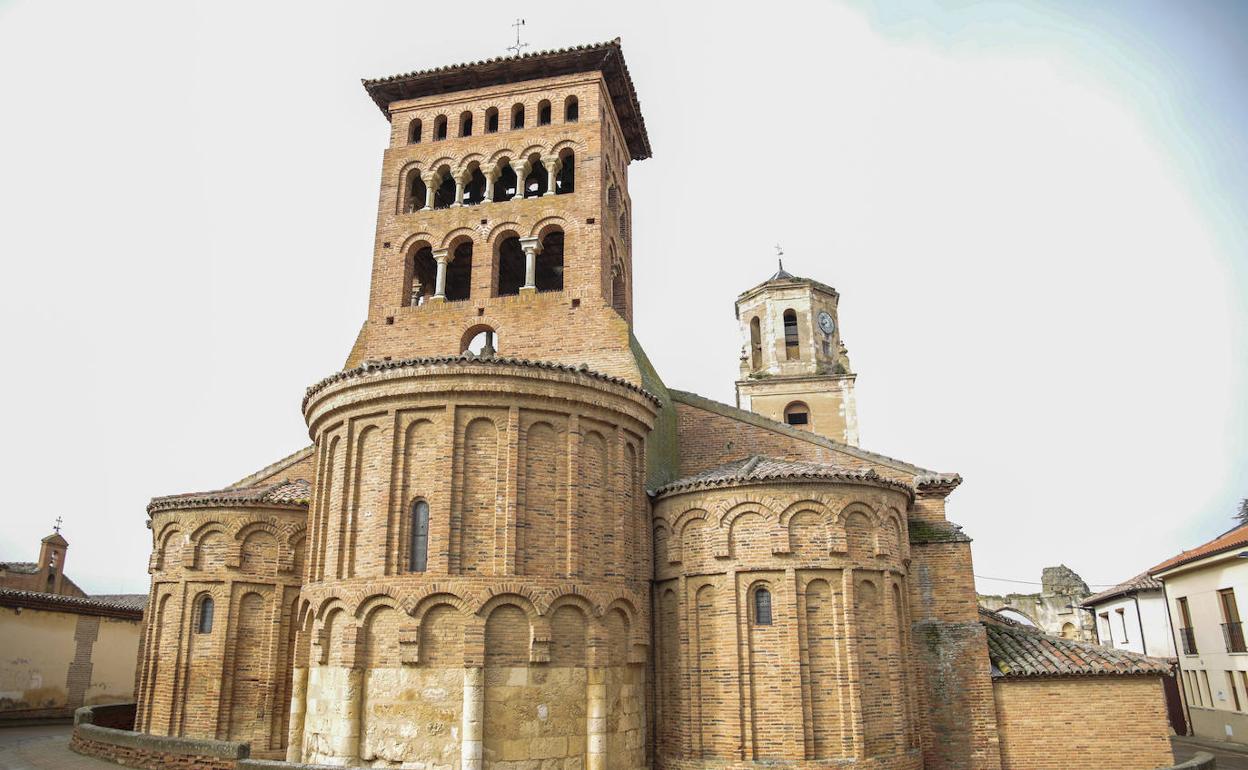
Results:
[552, 171]
[530, 246]
[298, 711]
[345, 733]
[459, 192]
[490, 177]
[522, 173]
[431, 189]
[439, 290]
[596, 721]
[473, 721]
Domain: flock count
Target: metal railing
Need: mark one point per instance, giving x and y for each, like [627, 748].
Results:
[1234, 635]
[1188, 637]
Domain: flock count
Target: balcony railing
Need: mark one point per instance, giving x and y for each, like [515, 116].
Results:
[1188, 637]
[1234, 635]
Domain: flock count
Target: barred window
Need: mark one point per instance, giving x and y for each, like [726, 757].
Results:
[762, 607]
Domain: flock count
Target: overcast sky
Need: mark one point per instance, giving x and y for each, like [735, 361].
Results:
[1035, 214]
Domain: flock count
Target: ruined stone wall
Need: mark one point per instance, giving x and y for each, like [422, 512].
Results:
[524, 637]
[829, 678]
[1114, 723]
[231, 681]
[1055, 608]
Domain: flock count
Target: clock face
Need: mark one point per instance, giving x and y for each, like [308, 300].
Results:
[825, 322]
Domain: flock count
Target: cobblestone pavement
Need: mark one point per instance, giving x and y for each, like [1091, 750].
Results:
[43, 747]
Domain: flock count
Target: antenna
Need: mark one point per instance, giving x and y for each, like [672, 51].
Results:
[518, 47]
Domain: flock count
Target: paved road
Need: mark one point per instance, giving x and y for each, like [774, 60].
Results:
[43, 747]
[1227, 760]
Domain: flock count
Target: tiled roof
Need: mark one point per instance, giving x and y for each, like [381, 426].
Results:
[21, 567]
[273, 468]
[607, 58]
[1236, 538]
[987, 616]
[472, 360]
[282, 494]
[760, 468]
[1141, 582]
[134, 601]
[108, 606]
[1020, 652]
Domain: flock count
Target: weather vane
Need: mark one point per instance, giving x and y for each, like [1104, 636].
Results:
[57, 528]
[518, 46]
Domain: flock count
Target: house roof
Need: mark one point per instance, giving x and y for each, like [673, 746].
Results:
[1018, 652]
[607, 58]
[1141, 582]
[20, 567]
[1227, 541]
[281, 494]
[135, 601]
[760, 468]
[112, 605]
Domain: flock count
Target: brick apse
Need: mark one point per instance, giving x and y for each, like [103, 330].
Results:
[512, 549]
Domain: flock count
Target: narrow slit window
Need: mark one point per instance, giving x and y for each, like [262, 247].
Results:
[791, 339]
[418, 560]
[204, 626]
[571, 110]
[762, 607]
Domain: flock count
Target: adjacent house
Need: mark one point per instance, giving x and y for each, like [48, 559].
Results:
[1132, 616]
[1203, 588]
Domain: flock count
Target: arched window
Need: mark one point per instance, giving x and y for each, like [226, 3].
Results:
[465, 124]
[480, 341]
[413, 132]
[571, 110]
[536, 180]
[422, 275]
[549, 273]
[565, 180]
[510, 266]
[543, 113]
[791, 349]
[517, 116]
[756, 344]
[414, 191]
[474, 189]
[204, 624]
[619, 292]
[1069, 631]
[762, 607]
[797, 414]
[439, 128]
[444, 195]
[506, 184]
[491, 120]
[459, 273]
[418, 558]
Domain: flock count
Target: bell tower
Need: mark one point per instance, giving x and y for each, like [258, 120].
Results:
[504, 222]
[794, 366]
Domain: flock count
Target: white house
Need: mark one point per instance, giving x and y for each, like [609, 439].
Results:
[1132, 616]
[1203, 588]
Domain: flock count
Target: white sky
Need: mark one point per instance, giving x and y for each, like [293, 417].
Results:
[1038, 243]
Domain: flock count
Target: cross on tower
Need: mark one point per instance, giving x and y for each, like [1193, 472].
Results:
[518, 23]
[57, 527]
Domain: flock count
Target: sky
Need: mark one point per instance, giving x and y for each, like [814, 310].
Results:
[1036, 215]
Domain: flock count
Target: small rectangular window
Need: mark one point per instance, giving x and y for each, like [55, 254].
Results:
[1122, 621]
[1109, 630]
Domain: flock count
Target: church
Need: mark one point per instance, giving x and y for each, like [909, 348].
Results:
[511, 546]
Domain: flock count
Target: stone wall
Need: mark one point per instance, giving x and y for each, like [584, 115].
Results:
[1110, 723]
[100, 732]
[1054, 609]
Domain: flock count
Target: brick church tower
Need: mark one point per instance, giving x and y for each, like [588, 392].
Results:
[794, 365]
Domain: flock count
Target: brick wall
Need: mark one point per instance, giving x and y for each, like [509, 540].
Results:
[1110, 723]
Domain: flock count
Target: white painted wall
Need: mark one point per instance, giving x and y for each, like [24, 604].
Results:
[1147, 629]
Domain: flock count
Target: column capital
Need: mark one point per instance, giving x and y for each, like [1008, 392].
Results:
[441, 255]
[528, 242]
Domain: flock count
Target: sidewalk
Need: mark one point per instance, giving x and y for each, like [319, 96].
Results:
[43, 747]
[1230, 756]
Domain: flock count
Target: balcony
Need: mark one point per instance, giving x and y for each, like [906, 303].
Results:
[1233, 633]
[1188, 637]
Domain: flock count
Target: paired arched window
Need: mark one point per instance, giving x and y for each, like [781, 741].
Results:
[797, 414]
[422, 275]
[418, 553]
[474, 187]
[203, 624]
[543, 113]
[413, 132]
[571, 110]
[439, 128]
[491, 120]
[517, 116]
[459, 273]
[549, 273]
[415, 192]
[762, 607]
[506, 184]
[444, 192]
[565, 180]
[465, 124]
[792, 350]
[510, 266]
[537, 179]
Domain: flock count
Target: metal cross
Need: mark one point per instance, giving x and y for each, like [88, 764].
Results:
[779, 250]
[518, 46]
[58, 524]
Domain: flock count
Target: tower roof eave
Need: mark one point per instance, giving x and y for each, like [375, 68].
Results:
[607, 58]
